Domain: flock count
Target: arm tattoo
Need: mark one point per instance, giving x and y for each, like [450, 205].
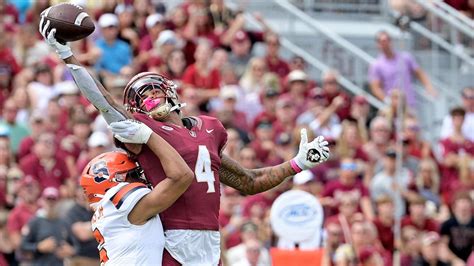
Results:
[253, 181]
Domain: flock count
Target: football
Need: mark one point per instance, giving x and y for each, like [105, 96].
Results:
[72, 23]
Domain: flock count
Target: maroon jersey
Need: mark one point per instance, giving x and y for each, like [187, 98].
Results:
[200, 147]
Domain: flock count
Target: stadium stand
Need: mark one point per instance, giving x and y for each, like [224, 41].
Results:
[397, 190]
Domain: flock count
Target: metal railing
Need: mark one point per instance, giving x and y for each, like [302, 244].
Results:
[342, 7]
[291, 20]
[453, 12]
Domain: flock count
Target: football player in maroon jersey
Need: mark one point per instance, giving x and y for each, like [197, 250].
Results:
[151, 105]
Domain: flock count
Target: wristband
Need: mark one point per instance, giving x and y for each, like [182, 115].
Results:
[295, 166]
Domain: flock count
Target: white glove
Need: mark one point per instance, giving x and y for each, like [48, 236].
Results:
[63, 50]
[310, 154]
[131, 131]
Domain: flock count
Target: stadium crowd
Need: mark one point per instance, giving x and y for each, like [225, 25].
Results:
[48, 133]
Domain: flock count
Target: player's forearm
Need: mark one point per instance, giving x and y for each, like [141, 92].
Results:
[95, 92]
[173, 164]
[253, 181]
[377, 90]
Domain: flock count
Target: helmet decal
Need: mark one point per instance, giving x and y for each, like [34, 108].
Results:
[100, 171]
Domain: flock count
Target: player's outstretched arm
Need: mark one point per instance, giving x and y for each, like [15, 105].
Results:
[89, 87]
[179, 175]
[253, 181]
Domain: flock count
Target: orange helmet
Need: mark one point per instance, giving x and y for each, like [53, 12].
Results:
[106, 171]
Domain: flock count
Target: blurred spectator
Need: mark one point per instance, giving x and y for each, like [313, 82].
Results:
[221, 16]
[410, 246]
[387, 183]
[23, 103]
[316, 102]
[37, 125]
[250, 252]
[385, 74]
[16, 131]
[228, 95]
[268, 99]
[307, 181]
[273, 60]
[380, 131]
[10, 174]
[9, 13]
[41, 90]
[5, 243]
[457, 151]
[72, 145]
[285, 117]
[263, 142]
[116, 55]
[431, 250]
[347, 185]
[390, 112]
[468, 124]
[416, 147]
[9, 67]
[348, 214]
[332, 91]
[326, 121]
[333, 240]
[298, 87]
[458, 231]
[428, 181]
[192, 100]
[230, 217]
[78, 221]
[417, 216]
[252, 79]
[200, 76]
[155, 23]
[347, 254]
[127, 30]
[200, 25]
[47, 236]
[350, 145]
[29, 49]
[33, 14]
[241, 52]
[175, 66]
[28, 191]
[360, 109]
[162, 48]
[384, 222]
[45, 165]
[97, 143]
[234, 144]
[219, 58]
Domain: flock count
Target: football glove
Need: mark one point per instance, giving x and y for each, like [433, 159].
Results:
[131, 131]
[310, 154]
[63, 50]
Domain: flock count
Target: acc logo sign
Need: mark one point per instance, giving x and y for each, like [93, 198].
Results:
[100, 171]
[296, 216]
[298, 213]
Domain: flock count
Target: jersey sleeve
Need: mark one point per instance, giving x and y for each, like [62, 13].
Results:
[127, 197]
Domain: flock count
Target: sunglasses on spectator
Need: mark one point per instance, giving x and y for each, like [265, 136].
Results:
[349, 166]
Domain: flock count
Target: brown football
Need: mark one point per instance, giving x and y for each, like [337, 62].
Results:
[72, 23]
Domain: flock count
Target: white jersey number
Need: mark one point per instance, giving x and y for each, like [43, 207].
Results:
[203, 169]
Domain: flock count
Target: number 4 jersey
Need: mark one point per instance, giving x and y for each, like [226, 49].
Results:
[200, 146]
[120, 242]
